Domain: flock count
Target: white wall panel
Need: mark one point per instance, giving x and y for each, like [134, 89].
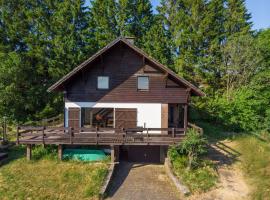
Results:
[147, 113]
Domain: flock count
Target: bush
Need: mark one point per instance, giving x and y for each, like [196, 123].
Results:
[188, 162]
[193, 146]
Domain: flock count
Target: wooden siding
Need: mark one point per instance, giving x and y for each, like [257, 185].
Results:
[74, 117]
[123, 65]
[125, 118]
[164, 115]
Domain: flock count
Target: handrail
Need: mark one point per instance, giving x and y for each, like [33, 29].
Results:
[69, 135]
[197, 128]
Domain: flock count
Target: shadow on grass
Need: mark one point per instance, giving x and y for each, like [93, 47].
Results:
[218, 151]
[38, 152]
[14, 153]
[222, 154]
[44, 152]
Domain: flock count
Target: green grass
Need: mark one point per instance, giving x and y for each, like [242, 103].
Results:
[254, 160]
[199, 179]
[46, 178]
[255, 163]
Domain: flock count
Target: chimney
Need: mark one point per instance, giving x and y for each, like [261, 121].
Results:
[130, 39]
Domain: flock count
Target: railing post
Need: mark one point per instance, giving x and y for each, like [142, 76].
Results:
[147, 133]
[70, 135]
[97, 135]
[173, 132]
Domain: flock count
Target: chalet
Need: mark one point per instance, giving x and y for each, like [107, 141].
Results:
[122, 98]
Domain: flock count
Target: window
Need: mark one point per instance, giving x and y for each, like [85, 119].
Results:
[97, 117]
[143, 83]
[103, 82]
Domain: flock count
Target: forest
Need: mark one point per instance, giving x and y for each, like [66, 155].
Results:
[208, 42]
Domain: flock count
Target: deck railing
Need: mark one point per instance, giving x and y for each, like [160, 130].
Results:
[99, 136]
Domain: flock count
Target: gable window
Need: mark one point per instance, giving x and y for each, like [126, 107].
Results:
[143, 83]
[103, 82]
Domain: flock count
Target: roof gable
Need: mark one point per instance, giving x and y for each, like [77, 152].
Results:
[77, 69]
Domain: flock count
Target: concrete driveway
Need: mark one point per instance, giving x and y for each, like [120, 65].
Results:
[134, 181]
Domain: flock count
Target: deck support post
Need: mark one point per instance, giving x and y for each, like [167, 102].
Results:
[163, 151]
[112, 154]
[60, 152]
[29, 151]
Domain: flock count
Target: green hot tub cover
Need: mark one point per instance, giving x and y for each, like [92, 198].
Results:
[84, 154]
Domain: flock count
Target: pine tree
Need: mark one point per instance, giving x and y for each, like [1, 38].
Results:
[157, 42]
[237, 18]
[104, 21]
[214, 38]
[141, 19]
[46, 39]
[123, 17]
[185, 20]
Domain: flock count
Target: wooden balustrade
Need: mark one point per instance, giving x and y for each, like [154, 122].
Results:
[99, 136]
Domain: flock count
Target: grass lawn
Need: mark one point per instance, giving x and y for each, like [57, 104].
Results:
[46, 178]
[255, 163]
[254, 160]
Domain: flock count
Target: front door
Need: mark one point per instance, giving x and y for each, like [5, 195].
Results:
[125, 118]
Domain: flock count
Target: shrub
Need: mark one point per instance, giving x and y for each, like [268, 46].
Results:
[188, 164]
[193, 146]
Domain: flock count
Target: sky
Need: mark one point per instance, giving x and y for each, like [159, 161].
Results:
[259, 9]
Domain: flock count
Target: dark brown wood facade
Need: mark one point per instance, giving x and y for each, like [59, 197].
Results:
[123, 65]
[125, 118]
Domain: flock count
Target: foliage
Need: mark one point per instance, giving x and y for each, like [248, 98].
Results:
[156, 43]
[202, 176]
[46, 178]
[241, 112]
[193, 146]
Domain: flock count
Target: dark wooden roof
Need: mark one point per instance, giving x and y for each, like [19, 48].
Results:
[58, 85]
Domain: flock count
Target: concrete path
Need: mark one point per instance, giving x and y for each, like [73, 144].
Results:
[141, 182]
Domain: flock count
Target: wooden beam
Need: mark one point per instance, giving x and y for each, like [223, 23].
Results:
[164, 117]
[60, 152]
[112, 154]
[29, 151]
[116, 153]
[188, 94]
[185, 116]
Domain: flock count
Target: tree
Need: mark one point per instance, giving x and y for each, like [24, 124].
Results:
[214, 39]
[41, 42]
[104, 21]
[241, 60]
[157, 42]
[237, 18]
[193, 145]
[141, 19]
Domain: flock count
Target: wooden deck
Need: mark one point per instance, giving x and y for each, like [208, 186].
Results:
[102, 136]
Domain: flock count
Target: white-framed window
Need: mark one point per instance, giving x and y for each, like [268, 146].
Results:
[103, 82]
[143, 83]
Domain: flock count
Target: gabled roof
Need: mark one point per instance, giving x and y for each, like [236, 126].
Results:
[65, 78]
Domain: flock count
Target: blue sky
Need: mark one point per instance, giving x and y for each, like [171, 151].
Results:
[259, 9]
